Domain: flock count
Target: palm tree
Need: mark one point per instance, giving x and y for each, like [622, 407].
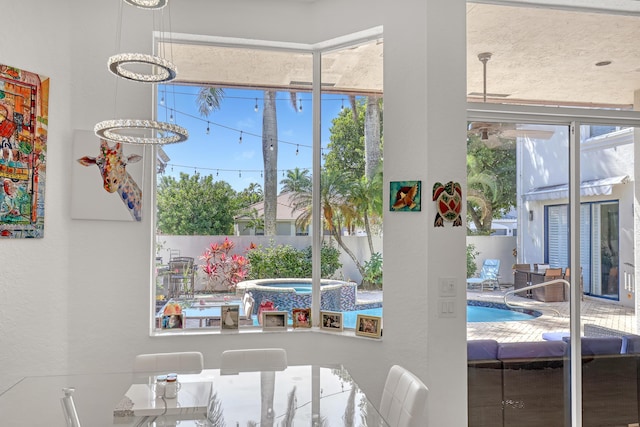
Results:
[270, 162]
[209, 99]
[482, 191]
[256, 221]
[372, 141]
[297, 180]
[335, 207]
[366, 197]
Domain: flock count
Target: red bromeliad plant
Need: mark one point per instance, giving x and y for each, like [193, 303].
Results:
[222, 268]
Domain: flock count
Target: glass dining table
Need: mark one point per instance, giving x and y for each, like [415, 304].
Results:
[301, 395]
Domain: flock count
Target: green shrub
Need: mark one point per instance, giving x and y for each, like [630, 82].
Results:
[285, 261]
[329, 260]
[472, 268]
[373, 271]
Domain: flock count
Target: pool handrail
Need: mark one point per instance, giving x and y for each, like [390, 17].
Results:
[537, 285]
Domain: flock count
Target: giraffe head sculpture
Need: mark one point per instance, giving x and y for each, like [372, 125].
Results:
[115, 178]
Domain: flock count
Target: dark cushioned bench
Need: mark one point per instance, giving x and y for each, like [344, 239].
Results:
[526, 384]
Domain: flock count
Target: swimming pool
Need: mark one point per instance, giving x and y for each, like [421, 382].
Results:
[301, 288]
[491, 312]
[475, 313]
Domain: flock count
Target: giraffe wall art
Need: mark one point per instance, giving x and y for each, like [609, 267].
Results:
[114, 171]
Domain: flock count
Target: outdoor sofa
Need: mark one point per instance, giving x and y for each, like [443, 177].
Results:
[525, 384]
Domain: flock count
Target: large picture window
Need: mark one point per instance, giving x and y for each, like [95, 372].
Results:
[235, 204]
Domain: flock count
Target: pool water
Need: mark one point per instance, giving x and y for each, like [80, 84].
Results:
[490, 314]
[300, 288]
[474, 314]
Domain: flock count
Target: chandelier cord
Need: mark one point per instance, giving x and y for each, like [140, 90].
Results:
[118, 46]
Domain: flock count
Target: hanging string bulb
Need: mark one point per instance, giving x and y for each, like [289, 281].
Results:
[297, 149]
[207, 128]
[239, 174]
[217, 172]
[300, 108]
[255, 108]
[342, 107]
[260, 174]
[240, 139]
[171, 116]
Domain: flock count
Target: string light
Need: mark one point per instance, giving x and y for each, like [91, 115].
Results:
[217, 172]
[261, 174]
[342, 107]
[208, 128]
[297, 151]
[241, 137]
[300, 108]
[239, 174]
[256, 106]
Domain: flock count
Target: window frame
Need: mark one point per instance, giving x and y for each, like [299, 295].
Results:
[316, 50]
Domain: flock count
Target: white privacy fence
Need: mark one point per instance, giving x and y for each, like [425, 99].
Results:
[194, 246]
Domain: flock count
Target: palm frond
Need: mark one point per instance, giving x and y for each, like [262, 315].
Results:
[287, 421]
[350, 410]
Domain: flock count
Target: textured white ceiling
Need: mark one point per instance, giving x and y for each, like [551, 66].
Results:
[539, 55]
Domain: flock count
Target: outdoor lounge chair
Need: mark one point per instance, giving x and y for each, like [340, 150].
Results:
[488, 276]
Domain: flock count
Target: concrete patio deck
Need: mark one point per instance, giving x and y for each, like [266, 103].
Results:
[595, 311]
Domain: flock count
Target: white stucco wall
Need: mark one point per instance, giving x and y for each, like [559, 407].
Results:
[56, 291]
[545, 162]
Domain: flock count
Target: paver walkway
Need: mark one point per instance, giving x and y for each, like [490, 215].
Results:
[607, 314]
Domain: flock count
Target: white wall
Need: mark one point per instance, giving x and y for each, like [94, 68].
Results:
[496, 247]
[194, 246]
[56, 292]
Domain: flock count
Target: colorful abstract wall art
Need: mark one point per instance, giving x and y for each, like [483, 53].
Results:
[106, 179]
[405, 196]
[448, 199]
[24, 120]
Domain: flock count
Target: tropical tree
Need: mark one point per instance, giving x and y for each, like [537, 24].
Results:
[372, 136]
[256, 221]
[209, 99]
[336, 210]
[491, 182]
[296, 180]
[270, 162]
[195, 205]
[250, 195]
[346, 153]
[366, 197]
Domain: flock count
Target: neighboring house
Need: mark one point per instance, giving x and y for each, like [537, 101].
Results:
[285, 219]
[606, 206]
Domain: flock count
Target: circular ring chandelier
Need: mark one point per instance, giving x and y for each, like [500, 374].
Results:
[147, 4]
[166, 70]
[109, 129]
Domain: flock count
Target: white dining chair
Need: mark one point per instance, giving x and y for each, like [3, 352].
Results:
[69, 408]
[184, 362]
[252, 360]
[404, 399]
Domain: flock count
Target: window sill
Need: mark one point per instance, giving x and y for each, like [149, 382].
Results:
[349, 333]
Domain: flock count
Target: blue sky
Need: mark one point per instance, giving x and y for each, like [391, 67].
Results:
[219, 152]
